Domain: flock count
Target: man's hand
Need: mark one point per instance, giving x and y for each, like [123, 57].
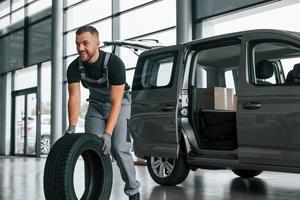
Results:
[106, 147]
[70, 130]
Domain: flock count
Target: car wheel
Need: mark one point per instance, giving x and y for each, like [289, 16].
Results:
[167, 171]
[45, 144]
[60, 165]
[246, 173]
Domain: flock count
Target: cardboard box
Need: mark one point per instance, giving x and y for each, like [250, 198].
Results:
[234, 106]
[215, 98]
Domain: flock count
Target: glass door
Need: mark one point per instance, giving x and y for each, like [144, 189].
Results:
[25, 119]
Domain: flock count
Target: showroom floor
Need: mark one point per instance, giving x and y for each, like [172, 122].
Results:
[22, 179]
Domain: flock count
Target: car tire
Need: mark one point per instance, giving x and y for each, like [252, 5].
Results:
[167, 171]
[60, 165]
[246, 173]
[45, 144]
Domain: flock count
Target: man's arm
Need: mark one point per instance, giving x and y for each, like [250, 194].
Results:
[117, 92]
[74, 103]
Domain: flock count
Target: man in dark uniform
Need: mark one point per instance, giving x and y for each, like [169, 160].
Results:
[109, 108]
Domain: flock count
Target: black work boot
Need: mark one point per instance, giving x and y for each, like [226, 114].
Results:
[135, 196]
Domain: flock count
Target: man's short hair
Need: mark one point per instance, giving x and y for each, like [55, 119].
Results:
[92, 30]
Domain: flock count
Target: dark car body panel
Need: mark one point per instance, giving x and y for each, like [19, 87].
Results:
[268, 137]
[154, 134]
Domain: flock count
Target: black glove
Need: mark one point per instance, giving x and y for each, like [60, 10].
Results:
[70, 130]
[106, 147]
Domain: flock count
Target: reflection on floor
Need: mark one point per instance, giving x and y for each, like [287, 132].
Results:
[22, 179]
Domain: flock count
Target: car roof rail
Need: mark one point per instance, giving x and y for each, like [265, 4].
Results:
[134, 45]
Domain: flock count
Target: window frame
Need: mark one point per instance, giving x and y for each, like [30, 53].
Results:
[200, 47]
[277, 63]
[140, 71]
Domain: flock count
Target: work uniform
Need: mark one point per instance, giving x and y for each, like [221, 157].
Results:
[98, 77]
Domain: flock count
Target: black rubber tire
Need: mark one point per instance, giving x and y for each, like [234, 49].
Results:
[60, 164]
[177, 176]
[246, 173]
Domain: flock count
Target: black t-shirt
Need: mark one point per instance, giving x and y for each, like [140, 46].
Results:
[116, 70]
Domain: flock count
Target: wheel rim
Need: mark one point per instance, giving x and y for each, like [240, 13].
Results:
[45, 145]
[162, 167]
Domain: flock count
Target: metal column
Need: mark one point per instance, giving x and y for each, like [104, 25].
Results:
[116, 24]
[3, 105]
[56, 70]
[197, 30]
[183, 20]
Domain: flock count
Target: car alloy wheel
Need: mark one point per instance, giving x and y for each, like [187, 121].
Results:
[162, 167]
[167, 171]
[45, 144]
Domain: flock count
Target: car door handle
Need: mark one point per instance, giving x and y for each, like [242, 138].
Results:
[252, 105]
[167, 108]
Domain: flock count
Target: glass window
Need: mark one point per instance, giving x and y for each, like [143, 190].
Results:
[148, 19]
[275, 63]
[17, 15]
[38, 6]
[267, 16]
[46, 98]
[217, 66]
[4, 22]
[39, 42]
[107, 49]
[19, 123]
[70, 59]
[69, 39]
[4, 8]
[166, 38]
[46, 87]
[12, 57]
[229, 80]
[46, 13]
[129, 76]
[214, 77]
[127, 4]
[129, 57]
[70, 2]
[17, 4]
[164, 73]
[87, 12]
[25, 78]
[105, 32]
[157, 71]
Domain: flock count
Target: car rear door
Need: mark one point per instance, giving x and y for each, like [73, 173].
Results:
[155, 102]
[268, 115]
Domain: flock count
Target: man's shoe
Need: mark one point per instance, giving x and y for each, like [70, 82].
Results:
[135, 196]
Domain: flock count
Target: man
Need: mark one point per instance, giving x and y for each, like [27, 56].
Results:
[109, 102]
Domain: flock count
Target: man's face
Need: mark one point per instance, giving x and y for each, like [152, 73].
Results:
[87, 47]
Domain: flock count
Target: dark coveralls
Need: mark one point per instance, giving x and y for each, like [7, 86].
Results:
[96, 118]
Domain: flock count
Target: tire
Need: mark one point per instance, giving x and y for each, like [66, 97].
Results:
[60, 164]
[167, 171]
[246, 173]
[45, 144]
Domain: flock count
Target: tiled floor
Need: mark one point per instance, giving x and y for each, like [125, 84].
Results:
[22, 179]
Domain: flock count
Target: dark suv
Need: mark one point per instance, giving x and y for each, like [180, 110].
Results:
[229, 101]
